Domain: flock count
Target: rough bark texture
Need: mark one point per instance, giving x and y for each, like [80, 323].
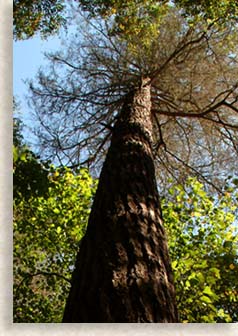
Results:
[123, 272]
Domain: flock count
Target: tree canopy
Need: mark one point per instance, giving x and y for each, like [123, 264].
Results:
[193, 72]
[202, 235]
[50, 211]
[131, 16]
[31, 17]
[47, 229]
[206, 9]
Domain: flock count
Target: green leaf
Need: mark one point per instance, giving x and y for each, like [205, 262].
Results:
[15, 154]
[58, 229]
[207, 290]
[174, 264]
[228, 244]
[206, 299]
[216, 272]
[43, 242]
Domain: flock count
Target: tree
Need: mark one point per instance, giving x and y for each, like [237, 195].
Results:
[202, 247]
[47, 229]
[205, 9]
[194, 93]
[131, 16]
[29, 173]
[51, 214]
[210, 10]
[124, 252]
[202, 234]
[126, 88]
[31, 17]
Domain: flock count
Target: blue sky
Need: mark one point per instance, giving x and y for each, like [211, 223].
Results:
[28, 57]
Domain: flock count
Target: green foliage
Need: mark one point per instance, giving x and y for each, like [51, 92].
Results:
[17, 132]
[202, 234]
[203, 242]
[139, 22]
[30, 175]
[210, 9]
[51, 208]
[135, 16]
[131, 18]
[47, 230]
[30, 17]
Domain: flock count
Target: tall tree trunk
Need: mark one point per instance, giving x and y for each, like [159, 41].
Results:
[123, 272]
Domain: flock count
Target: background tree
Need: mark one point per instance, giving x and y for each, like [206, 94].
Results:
[47, 229]
[51, 207]
[31, 17]
[202, 234]
[210, 9]
[29, 172]
[200, 107]
[131, 15]
[202, 245]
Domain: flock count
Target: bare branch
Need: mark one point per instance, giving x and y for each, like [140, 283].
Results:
[193, 89]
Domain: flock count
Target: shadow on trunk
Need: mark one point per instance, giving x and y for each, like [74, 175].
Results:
[123, 272]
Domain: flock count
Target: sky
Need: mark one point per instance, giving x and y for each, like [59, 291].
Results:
[28, 57]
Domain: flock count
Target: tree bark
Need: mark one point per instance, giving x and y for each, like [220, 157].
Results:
[122, 271]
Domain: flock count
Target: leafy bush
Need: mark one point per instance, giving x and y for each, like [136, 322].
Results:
[47, 231]
[203, 242]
